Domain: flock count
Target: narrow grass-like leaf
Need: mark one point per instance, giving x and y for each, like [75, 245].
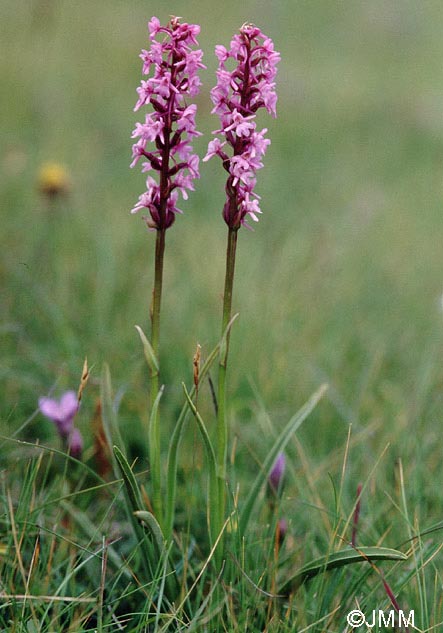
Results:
[214, 519]
[347, 556]
[159, 540]
[82, 519]
[176, 437]
[282, 440]
[148, 350]
[154, 456]
[133, 491]
[49, 450]
[434, 528]
[59, 591]
[110, 426]
[224, 341]
[154, 528]
[134, 503]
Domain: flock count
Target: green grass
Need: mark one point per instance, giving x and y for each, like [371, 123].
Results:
[340, 283]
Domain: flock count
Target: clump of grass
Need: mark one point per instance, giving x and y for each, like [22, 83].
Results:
[71, 556]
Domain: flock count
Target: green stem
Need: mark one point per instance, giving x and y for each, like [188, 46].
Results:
[222, 428]
[173, 450]
[154, 434]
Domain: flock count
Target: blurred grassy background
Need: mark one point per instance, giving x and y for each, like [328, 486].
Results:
[341, 280]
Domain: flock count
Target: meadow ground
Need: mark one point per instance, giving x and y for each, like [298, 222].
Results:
[340, 283]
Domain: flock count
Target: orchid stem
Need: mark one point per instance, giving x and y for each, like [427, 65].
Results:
[154, 431]
[222, 428]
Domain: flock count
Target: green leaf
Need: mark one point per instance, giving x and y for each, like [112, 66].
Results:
[224, 341]
[84, 522]
[109, 417]
[134, 503]
[434, 528]
[347, 556]
[154, 456]
[282, 440]
[214, 523]
[156, 533]
[176, 437]
[154, 528]
[148, 350]
[130, 481]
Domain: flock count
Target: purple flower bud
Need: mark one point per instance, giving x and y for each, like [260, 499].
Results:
[75, 444]
[277, 473]
[61, 412]
[237, 97]
[282, 528]
[171, 125]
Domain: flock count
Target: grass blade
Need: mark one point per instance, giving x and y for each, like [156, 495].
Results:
[160, 544]
[294, 423]
[154, 456]
[134, 503]
[214, 519]
[347, 556]
[88, 527]
[130, 482]
[148, 350]
[154, 528]
[109, 417]
[176, 437]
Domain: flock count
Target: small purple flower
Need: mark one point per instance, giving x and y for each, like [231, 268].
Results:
[61, 412]
[277, 473]
[171, 125]
[237, 97]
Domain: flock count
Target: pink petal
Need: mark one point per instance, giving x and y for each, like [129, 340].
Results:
[50, 408]
[68, 404]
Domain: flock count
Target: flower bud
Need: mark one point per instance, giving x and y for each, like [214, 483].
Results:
[75, 444]
[275, 480]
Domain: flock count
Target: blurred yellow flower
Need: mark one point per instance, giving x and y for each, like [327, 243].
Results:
[53, 179]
